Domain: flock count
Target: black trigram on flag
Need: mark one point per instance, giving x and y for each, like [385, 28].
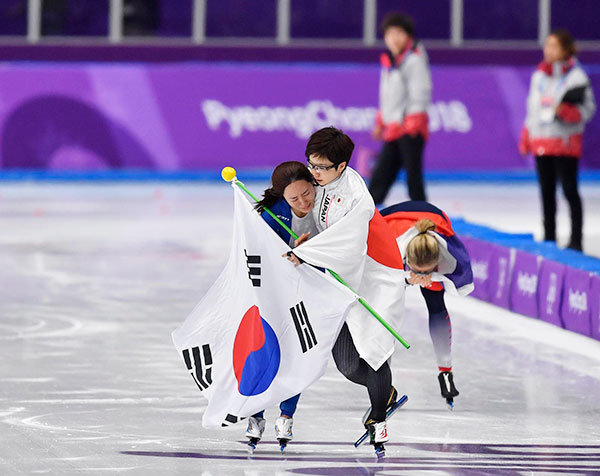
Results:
[303, 327]
[253, 263]
[231, 420]
[200, 365]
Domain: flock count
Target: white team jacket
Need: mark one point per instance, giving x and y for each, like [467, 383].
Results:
[343, 211]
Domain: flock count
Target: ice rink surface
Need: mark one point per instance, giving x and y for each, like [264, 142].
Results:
[95, 277]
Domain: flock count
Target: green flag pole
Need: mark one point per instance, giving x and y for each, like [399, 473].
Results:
[229, 175]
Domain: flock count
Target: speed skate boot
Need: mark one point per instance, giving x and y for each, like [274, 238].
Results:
[283, 431]
[254, 432]
[447, 388]
[390, 404]
[378, 435]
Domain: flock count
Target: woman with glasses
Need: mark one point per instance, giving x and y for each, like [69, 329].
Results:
[437, 261]
[291, 198]
[356, 243]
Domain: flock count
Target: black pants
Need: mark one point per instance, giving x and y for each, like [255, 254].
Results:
[355, 369]
[566, 169]
[440, 327]
[405, 152]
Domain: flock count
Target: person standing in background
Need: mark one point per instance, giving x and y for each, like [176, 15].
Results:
[404, 97]
[559, 104]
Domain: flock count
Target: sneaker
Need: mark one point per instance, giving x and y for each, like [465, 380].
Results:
[283, 428]
[378, 432]
[447, 385]
[390, 403]
[256, 427]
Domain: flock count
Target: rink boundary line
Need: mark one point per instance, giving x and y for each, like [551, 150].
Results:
[261, 174]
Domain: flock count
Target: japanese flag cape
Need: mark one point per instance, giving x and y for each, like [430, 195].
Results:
[357, 243]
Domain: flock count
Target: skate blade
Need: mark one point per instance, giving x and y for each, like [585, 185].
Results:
[450, 403]
[380, 452]
[401, 401]
[252, 445]
[283, 445]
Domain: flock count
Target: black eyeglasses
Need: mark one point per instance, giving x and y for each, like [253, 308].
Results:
[319, 168]
[419, 273]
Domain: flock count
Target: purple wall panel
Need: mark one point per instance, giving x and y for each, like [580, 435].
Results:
[591, 138]
[580, 17]
[508, 19]
[226, 18]
[499, 271]
[13, 17]
[479, 253]
[575, 309]
[432, 18]
[524, 284]
[595, 306]
[331, 19]
[550, 291]
[208, 116]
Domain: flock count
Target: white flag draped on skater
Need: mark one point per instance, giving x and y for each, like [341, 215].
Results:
[362, 249]
[264, 330]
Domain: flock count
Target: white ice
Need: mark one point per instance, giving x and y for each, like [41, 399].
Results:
[93, 278]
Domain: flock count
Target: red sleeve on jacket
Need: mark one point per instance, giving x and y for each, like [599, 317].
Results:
[379, 120]
[524, 146]
[415, 124]
[393, 131]
[568, 112]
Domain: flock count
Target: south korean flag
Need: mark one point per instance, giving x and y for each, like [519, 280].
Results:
[264, 331]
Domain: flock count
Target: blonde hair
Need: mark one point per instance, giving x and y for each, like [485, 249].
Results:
[423, 249]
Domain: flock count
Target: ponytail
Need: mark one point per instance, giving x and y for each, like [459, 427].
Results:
[423, 249]
[270, 198]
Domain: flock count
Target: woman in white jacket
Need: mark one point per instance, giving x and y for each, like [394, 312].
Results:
[559, 104]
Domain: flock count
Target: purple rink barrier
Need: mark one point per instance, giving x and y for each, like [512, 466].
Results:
[550, 289]
[575, 309]
[479, 253]
[197, 116]
[499, 276]
[595, 306]
[539, 280]
[524, 286]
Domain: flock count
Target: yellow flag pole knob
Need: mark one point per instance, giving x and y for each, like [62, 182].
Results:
[228, 174]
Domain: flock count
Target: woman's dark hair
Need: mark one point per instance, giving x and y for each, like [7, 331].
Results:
[283, 175]
[332, 144]
[399, 20]
[566, 40]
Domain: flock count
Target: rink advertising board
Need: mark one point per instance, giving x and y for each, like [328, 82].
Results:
[524, 287]
[575, 308]
[199, 116]
[499, 272]
[595, 306]
[551, 279]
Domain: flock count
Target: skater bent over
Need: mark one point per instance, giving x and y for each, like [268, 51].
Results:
[437, 261]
